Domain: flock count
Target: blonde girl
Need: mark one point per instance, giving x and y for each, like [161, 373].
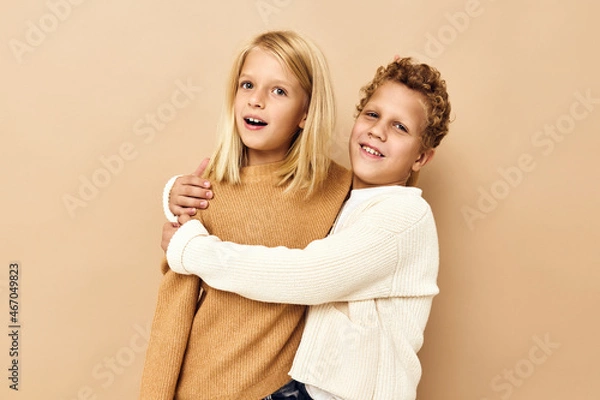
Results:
[273, 185]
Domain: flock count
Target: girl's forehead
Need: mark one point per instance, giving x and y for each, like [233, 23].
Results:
[258, 59]
[264, 64]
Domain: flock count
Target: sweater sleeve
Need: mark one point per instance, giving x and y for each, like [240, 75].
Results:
[166, 195]
[360, 262]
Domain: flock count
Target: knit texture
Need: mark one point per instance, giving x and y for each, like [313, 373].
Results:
[371, 284]
[219, 345]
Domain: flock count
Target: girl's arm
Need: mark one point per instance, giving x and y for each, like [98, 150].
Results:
[389, 243]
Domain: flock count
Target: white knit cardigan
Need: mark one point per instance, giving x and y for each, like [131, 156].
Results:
[370, 286]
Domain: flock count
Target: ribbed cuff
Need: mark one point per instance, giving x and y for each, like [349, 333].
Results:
[166, 194]
[179, 241]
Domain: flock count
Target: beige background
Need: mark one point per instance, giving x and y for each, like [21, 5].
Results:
[514, 187]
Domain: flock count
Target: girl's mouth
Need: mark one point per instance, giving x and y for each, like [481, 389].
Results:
[255, 121]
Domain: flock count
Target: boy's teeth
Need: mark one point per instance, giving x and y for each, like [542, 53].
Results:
[371, 151]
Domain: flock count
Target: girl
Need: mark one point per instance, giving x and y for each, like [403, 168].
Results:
[371, 283]
[269, 170]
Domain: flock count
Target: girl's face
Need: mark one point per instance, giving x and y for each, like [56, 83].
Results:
[385, 144]
[270, 106]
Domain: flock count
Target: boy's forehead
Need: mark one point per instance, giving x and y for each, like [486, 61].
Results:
[398, 99]
[397, 93]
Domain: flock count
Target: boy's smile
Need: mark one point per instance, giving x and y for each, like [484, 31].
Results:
[371, 150]
[385, 144]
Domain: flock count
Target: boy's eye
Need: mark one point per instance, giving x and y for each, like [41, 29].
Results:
[400, 126]
[279, 92]
[246, 85]
[371, 114]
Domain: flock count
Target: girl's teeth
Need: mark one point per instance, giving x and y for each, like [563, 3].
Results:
[255, 121]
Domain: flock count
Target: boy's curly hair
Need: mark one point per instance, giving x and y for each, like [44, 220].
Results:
[423, 79]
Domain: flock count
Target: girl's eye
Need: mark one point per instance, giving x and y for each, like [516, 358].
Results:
[279, 92]
[371, 114]
[401, 127]
[246, 85]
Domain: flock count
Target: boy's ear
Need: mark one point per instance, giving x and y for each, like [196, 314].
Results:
[423, 159]
[303, 121]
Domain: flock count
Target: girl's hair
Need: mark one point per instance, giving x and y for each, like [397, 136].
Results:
[307, 162]
[425, 80]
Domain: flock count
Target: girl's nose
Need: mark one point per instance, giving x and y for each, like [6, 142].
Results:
[256, 101]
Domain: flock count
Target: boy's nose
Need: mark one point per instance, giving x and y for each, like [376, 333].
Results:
[377, 132]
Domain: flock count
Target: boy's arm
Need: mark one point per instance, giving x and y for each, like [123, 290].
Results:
[361, 262]
[185, 194]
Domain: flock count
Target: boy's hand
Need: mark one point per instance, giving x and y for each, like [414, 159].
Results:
[190, 192]
[183, 218]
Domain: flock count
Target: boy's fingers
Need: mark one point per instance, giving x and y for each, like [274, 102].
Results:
[200, 170]
[176, 210]
[194, 192]
[189, 202]
[193, 180]
[183, 218]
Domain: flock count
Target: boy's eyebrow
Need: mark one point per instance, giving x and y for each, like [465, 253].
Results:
[374, 107]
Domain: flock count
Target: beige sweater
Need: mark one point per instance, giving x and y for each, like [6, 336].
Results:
[219, 345]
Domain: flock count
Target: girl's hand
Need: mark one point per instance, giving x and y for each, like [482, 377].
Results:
[169, 230]
[190, 192]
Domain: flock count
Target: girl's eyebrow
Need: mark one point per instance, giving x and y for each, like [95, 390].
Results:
[277, 82]
[281, 82]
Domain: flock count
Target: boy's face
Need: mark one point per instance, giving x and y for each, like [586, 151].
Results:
[385, 144]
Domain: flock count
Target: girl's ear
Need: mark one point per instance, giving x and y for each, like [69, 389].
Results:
[423, 159]
[303, 121]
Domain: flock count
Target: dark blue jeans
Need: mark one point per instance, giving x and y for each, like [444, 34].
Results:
[293, 390]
